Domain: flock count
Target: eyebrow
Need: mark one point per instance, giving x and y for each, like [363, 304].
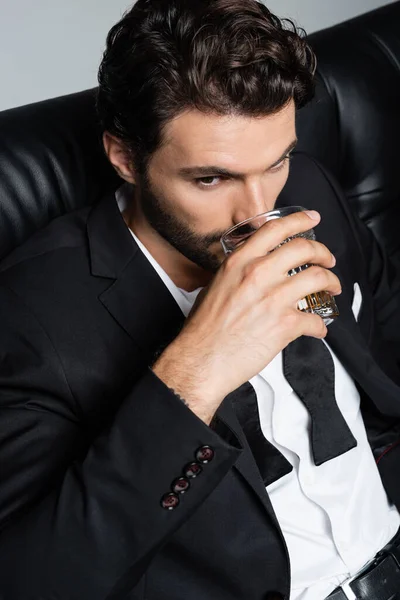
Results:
[205, 171]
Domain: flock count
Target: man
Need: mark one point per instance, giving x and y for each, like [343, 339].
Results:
[149, 456]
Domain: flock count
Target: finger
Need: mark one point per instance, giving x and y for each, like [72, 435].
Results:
[312, 280]
[299, 252]
[274, 232]
[312, 325]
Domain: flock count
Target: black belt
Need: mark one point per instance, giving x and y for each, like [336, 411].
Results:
[380, 579]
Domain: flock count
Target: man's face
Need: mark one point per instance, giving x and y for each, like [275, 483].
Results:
[211, 173]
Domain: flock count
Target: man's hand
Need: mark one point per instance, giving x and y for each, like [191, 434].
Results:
[248, 314]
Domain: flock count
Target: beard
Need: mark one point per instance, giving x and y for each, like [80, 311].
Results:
[178, 234]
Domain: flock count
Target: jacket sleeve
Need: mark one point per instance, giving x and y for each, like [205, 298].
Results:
[79, 519]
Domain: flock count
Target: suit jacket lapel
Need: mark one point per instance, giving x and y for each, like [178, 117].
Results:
[137, 299]
[143, 306]
[346, 340]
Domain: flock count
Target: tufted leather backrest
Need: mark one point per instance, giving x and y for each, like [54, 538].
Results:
[51, 160]
[353, 124]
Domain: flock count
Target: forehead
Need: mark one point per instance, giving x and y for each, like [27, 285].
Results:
[232, 140]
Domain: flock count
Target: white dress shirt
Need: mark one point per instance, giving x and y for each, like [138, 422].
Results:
[334, 517]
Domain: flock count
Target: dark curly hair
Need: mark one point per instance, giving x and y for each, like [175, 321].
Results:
[219, 56]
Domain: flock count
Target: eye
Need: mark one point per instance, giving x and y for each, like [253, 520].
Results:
[282, 164]
[208, 182]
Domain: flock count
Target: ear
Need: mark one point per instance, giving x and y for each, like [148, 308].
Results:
[119, 157]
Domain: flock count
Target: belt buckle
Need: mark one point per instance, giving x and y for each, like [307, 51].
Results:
[347, 591]
[381, 555]
[345, 587]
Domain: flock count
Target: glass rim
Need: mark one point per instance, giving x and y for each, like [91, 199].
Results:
[269, 212]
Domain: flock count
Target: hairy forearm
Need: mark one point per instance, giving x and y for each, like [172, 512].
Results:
[188, 382]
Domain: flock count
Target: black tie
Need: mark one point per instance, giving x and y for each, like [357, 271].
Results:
[309, 368]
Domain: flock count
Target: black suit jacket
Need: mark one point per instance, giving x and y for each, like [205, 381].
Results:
[91, 439]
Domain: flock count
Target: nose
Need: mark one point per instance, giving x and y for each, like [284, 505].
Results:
[254, 199]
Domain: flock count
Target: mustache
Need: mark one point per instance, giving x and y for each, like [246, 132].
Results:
[212, 238]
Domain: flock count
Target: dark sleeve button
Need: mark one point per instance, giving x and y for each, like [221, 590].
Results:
[205, 454]
[169, 501]
[192, 470]
[180, 485]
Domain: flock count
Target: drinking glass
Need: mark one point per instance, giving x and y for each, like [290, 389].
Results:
[320, 303]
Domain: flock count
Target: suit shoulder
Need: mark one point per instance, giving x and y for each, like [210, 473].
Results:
[308, 170]
[63, 233]
[311, 185]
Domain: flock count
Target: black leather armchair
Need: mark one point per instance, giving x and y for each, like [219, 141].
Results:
[51, 159]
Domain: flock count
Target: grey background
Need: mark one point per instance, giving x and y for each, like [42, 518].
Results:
[53, 47]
